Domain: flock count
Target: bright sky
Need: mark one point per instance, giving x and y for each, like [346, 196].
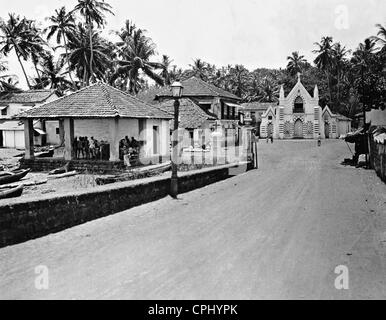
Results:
[255, 33]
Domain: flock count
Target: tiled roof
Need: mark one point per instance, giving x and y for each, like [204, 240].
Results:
[149, 95]
[342, 117]
[96, 101]
[258, 106]
[25, 97]
[195, 87]
[190, 114]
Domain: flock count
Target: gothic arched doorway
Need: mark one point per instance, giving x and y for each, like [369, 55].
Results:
[327, 130]
[270, 129]
[298, 129]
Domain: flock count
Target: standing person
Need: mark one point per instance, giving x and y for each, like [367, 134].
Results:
[134, 143]
[92, 148]
[319, 140]
[75, 147]
[97, 146]
[81, 147]
[271, 138]
[87, 147]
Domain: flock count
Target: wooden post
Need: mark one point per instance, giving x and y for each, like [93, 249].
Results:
[114, 139]
[225, 145]
[68, 125]
[61, 132]
[29, 139]
[214, 149]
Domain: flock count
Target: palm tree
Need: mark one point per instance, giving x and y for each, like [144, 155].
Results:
[37, 44]
[16, 36]
[175, 74]
[324, 59]
[268, 91]
[165, 72]
[53, 75]
[7, 81]
[80, 54]
[134, 58]
[380, 38]
[199, 68]
[238, 80]
[92, 11]
[62, 24]
[126, 32]
[339, 63]
[295, 63]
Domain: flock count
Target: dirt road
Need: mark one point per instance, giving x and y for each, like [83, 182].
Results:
[277, 232]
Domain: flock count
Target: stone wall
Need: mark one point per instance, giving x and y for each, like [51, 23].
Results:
[24, 219]
[47, 164]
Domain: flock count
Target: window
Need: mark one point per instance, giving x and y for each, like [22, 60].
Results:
[156, 140]
[298, 105]
[206, 107]
[4, 111]
[57, 130]
[191, 137]
[269, 117]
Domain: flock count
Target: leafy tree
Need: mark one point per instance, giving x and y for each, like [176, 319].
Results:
[81, 52]
[238, 80]
[324, 59]
[380, 38]
[93, 13]
[165, 69]
[134, 57]
[296, 63]
[53, 75]
[16, 36]
[62, 25]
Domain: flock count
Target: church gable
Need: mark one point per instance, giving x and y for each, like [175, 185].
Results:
[270, 113]
[299, 91]
[328, 113]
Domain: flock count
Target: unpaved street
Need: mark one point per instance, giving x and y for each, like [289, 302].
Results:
[275, 232]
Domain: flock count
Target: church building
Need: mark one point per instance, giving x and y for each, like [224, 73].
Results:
[298, 115]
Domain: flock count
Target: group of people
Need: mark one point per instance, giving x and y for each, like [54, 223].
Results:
[86, 149]
[128, 147]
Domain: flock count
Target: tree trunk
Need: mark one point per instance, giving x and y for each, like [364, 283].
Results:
[68, 61]
[329, 85]
[84, 77]
[22, 67]
[38, 73]
[91, 54]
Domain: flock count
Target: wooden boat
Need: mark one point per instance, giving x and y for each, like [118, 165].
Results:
[62, 175]
[11, 192]
[6, 172]
[60, 170]
[45, 154]
[13, 176]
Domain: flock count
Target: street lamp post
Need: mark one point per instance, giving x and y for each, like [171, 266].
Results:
[177, 93]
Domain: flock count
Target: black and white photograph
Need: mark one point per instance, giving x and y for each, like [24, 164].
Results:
[192, 150]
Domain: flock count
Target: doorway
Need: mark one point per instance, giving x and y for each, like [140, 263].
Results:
[156, 140]
[327, 130]
[298, 129]
[270, 129]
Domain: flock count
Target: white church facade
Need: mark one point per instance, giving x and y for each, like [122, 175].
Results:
[299, 116]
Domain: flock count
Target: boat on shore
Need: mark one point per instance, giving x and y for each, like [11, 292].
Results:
[11, 192]
[13, 176]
